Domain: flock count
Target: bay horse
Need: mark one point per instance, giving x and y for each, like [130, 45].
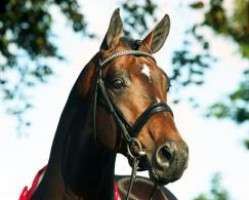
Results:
[118, 104]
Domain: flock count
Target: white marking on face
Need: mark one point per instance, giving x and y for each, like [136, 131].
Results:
[146, 71]
[158, 100]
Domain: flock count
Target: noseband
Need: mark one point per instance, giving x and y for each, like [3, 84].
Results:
[128, 132]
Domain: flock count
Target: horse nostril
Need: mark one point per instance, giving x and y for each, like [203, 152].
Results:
[165, 155]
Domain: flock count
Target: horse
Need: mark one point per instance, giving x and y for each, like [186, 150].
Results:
[118, 104]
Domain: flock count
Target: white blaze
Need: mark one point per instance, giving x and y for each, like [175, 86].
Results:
[158, 100]
[146, 71]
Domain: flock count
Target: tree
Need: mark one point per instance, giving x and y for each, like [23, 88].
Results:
[234, 25]
[26, 46]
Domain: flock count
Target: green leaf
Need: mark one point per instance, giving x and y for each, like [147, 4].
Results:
[246, 143]
[197, 5]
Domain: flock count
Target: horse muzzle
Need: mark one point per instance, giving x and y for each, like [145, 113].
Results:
[169, 162]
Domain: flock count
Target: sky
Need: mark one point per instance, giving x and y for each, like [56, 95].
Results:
[215, 146]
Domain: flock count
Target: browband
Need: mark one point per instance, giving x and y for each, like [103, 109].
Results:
[124, 53]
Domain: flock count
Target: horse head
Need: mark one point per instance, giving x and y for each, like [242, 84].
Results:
[131, 114]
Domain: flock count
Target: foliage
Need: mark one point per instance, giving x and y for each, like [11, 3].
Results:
[138, 15]
[26, 46]
[189, 67]
[236, 106]
[217, 192]
[235, 25]
[197, 5]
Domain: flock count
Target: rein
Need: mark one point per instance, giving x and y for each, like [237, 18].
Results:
[129, 132]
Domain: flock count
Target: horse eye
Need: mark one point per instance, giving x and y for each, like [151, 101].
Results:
[118, 83]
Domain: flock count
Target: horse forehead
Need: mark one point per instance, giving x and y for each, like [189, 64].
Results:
[133, 64]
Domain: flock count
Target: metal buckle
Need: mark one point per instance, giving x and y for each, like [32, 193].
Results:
[133, 143]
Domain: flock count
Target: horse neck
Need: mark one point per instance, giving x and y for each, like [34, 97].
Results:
[78, 168]
[87, 167]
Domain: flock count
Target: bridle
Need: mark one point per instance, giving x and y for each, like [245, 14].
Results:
[128, 132]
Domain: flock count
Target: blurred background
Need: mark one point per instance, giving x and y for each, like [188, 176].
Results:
[44, 44]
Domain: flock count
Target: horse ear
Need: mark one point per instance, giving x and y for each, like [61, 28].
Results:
[156, 38]
[115, 30]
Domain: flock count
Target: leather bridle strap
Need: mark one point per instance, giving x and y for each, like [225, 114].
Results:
[113, 110]
[147, 114]
[125, 53]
